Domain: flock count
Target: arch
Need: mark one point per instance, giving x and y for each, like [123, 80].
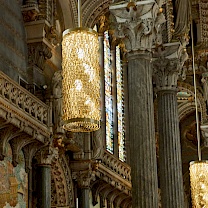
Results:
[92, 9]
[69, 11]
[184, 109]
[62, 180]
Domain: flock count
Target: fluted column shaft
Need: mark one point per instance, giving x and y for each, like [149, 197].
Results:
[166, 72]
[170, 164]
[142, 132]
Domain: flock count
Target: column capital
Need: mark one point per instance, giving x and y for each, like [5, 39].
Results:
[84, 172]
[167, 63]
[138, 24]
[46, 154]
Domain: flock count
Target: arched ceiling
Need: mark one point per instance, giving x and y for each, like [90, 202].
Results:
[91, 10]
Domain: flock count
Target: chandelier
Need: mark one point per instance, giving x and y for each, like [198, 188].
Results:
[198, 169]
[81, 79]
[199, 183]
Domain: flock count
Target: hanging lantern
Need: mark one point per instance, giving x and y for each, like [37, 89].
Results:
[81, 80]
[199, 183]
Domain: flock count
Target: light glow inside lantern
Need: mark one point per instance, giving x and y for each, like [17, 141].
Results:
[199, 183]
[81, 80]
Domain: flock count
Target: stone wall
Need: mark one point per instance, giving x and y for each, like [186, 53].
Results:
[13, 47]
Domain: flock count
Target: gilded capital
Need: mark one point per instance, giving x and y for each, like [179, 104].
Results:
[138, 24]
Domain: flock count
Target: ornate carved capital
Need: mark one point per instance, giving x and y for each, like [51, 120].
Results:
[166, 73]
[83, 178]
[46, 154]
[138, 25]
[30, 12]
[83, 172]
[167, 65]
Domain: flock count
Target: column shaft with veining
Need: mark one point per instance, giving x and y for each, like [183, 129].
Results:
[136, 28]
[142, 132]
[166, 72]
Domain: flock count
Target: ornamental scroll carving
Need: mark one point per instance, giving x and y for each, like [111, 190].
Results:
[139, 28]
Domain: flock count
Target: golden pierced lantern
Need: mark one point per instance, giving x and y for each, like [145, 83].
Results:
[81, 80]
[199, 183]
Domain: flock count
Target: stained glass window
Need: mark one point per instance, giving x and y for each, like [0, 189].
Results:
[120, 106]
[108, 93]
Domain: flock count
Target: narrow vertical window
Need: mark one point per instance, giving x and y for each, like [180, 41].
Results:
[108, 93]
[120, 106]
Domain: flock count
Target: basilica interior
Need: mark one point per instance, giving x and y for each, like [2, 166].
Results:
[153, 79]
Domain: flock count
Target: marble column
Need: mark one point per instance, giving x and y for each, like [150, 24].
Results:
[44, 158]
[30, 188]
[84, 200]
[137, 32]
[142, 132]
[170, 163]
[83, 174]
[44, 186]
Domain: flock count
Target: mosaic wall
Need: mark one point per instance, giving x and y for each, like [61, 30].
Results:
[13, 182]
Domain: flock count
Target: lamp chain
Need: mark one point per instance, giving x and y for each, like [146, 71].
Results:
[79, 14]
[195, 91]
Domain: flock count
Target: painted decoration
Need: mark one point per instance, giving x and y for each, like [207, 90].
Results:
[13, 182]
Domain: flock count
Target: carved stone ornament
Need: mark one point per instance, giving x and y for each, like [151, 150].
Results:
[30, 13]
[38, 53]
[102, 24]
[138, 25]
[46, 154]
[168, 65]
[57, 102]
[83, 172]
[83, 178]
[97, 144]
